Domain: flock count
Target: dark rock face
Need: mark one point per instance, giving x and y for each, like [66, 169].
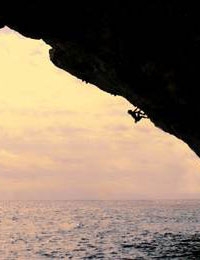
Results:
[146, 51]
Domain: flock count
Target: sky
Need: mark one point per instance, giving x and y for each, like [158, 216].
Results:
[63, 139]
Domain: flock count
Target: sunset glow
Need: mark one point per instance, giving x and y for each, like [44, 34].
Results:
[63, 139]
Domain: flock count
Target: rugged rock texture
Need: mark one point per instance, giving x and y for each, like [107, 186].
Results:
[147, 51]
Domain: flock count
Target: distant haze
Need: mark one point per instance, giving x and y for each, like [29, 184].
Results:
[63, 139]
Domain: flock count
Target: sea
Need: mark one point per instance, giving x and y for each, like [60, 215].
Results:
[154, 229]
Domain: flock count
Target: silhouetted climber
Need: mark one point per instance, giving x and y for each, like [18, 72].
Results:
[137, 114]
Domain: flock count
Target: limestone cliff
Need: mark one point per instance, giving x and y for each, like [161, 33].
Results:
[146, 51]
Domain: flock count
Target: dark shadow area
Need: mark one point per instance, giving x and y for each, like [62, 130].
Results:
[145, 51]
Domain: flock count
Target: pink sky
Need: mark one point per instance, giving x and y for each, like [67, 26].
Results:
[64, 139]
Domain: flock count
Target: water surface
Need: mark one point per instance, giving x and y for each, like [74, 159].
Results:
[100, 230]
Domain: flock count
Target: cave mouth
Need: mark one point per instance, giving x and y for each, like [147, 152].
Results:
[64, 138]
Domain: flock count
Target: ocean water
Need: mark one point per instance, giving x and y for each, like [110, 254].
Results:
[100, 230]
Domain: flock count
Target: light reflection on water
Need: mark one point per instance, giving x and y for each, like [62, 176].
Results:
[100, 230]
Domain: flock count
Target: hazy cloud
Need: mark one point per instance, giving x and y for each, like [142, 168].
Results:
[63, 139]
